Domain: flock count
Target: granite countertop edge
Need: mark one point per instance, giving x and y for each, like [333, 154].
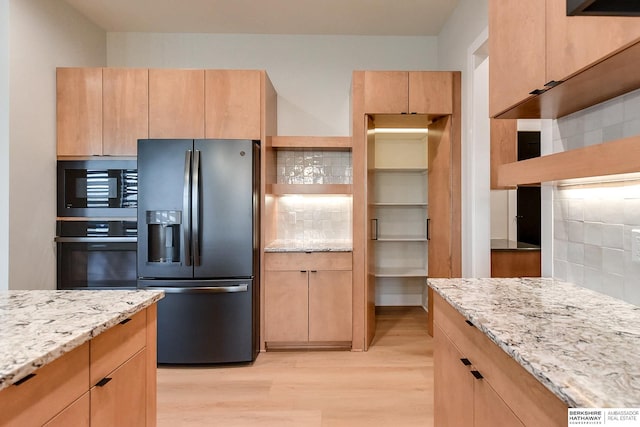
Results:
[61, 342]
[572, 394]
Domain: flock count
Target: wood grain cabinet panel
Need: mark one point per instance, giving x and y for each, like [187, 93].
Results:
[176, 103]
[330, 306]
[515, 263]
[125, 94]
[52, 388]
[77, 414]
[517, 52]
[504, 146]
[308, 299]
[121, 401]
[489, 410]
[575, 42]
[286, 306]
[79, 111]
[387, 92]
[232, 104]
[430, 92]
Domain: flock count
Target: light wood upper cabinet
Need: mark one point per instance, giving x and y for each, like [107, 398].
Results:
[516, 51]
[232, 104]
[575, 42]
[79, 111]
[408, 92]
[504, 142]
[430, 92]
[125, 95]
[533, 46]
[387, 92]
[176, 103]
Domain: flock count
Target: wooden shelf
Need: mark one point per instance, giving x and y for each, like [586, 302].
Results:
[401, 272]
[610, 158]
[396, 170]
[341, 143]
[400, 205]
[401, 239]
[285, 189]
[614, 75]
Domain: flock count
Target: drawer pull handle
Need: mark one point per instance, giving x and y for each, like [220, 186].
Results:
[103, 382]
[24, 379]
[469, 323]
[314, 271]
[303, 271]
[537, 91]
[477, 374]
[466, 362]
[125, 321]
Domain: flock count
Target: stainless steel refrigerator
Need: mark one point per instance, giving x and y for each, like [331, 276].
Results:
[198, 240]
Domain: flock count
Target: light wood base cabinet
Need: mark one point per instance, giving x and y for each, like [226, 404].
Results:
[108, 381]
[308, 299]
[478, 384]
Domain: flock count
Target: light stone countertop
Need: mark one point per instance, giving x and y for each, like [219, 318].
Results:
[582, 345]
[37, 327]
[283, 245]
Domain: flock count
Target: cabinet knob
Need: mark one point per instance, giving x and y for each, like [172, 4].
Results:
[103, 382]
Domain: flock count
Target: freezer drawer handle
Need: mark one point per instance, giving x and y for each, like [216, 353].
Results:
[96, 239]
[204, 289]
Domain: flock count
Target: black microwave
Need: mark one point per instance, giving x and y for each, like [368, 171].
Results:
[97, 188]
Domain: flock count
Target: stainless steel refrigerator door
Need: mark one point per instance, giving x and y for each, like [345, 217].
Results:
[164, 203]
[224, 216]
[206, 322]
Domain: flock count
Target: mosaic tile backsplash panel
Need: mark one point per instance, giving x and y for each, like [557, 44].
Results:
[314, 167]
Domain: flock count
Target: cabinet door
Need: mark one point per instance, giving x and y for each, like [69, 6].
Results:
[79, 111]
[574, 42]
[430, 92]
[121, 401]
[503, 136]
[76, 415]
[232, 104]
[125, 94]
[386, 92]
[453, 385]
[516, 51]
[176, 104]
[286, 306]
[489, 409]
[329, 305]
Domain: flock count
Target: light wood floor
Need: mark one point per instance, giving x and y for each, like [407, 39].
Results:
[390, 385]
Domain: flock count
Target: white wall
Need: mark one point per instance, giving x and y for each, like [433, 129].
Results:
[44, 34]
[312, 74]
[455, 52]
[4, 144]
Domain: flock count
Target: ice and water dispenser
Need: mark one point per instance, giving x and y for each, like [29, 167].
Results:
[164, 229]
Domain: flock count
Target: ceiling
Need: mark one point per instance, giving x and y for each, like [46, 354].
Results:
[326, 17]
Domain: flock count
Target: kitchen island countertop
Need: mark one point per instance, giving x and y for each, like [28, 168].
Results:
[582, 345]
[37, 327]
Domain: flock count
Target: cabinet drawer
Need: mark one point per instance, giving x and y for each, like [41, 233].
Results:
[77, 414]
[54, 387]
[113, 347]
[308, 261]
[530, 401]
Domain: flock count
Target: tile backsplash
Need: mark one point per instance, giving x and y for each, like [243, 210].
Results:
[313, 167]
[314, 218]
[592, 224]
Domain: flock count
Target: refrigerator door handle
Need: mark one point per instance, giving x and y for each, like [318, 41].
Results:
[195, 200]
[200, 289]
[186, 206]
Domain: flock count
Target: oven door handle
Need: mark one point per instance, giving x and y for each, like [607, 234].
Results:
[96, 239]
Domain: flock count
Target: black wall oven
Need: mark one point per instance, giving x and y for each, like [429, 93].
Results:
[96, 230]
[96, 254]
